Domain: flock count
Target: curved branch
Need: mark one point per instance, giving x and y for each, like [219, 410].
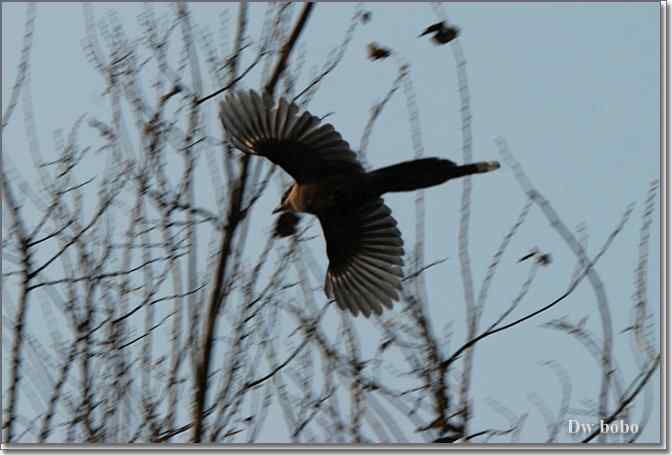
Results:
[627, 399]
[564, 295]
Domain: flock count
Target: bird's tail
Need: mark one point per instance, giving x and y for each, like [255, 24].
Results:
[422, 173]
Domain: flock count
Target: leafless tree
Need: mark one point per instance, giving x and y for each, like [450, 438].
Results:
[165, 325]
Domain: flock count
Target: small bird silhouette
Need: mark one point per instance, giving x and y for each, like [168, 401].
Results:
[443, 33]
[539, 257]
[377, 52]
[364, 246]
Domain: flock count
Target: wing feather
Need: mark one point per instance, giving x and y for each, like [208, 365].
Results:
[365, 266]
[292, 138]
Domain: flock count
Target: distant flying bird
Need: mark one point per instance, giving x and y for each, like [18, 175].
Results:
[539, 257]
[377, 52]
[364, 246]
[443, 33]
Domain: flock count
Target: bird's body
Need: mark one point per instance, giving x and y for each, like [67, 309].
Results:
[442, 32]
[316, 198]
[364, 246]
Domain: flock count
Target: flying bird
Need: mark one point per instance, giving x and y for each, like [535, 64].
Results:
[443, 33]
[377, 52]
[364, 246]
[539, 257]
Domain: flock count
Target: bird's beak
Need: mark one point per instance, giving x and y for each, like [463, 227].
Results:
[278, 209]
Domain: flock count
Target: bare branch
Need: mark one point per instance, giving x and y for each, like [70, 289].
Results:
[636, 386]
[24, 65]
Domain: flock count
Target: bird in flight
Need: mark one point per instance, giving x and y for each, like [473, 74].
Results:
[442, 32]
[364, 246]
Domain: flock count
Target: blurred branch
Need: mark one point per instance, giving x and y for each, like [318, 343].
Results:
[20, 233]
[234, 81]
[340, 53]
[496, 259]
[24, 64]
[572, 286]
[288, 46]
[376, 110]
[593, 276]
[641, 313]
[234, 218]
[636, 387]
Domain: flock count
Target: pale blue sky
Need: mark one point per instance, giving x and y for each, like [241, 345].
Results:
[574, 89]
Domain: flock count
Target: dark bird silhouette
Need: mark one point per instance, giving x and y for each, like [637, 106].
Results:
[364, 246]
[376, 52]
[443, 33]
[539, 257]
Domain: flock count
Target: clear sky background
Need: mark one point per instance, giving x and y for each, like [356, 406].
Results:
[573, 88]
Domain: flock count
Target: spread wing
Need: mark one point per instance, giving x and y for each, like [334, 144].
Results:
[296, 141]
[365, 252]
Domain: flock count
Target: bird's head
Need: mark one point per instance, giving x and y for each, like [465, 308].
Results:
[285, 224]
